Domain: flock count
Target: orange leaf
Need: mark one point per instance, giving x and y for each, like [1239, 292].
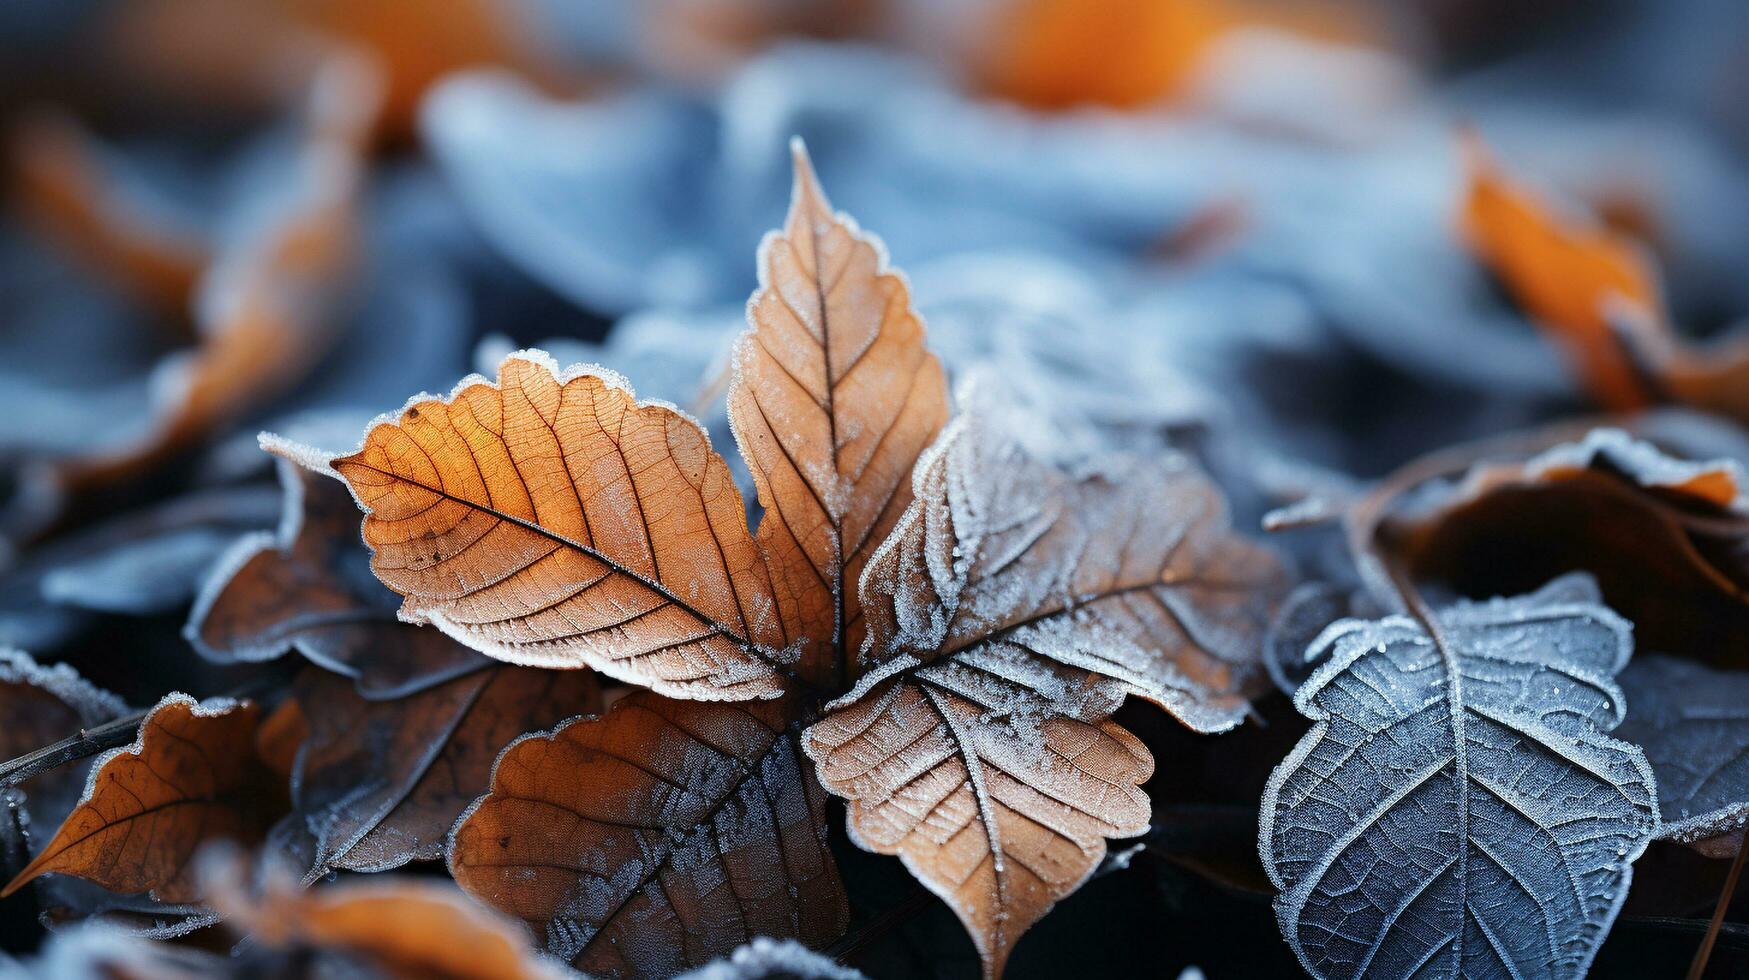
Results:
[1566, 274]
[554, 521]
[657, 837]
[192, 776]
[835, 396]
[393, 927]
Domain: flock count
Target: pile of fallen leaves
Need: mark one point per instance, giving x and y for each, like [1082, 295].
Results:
[1295, 540]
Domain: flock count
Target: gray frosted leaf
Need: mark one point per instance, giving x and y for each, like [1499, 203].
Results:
[1457, 809]
[1693, 722]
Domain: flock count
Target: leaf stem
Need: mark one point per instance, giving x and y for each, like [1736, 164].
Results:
[1701, 955]
[88, 742]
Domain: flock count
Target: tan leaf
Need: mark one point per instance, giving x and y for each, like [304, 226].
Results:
[380, 783]
[1009, 614]
[554, 521]
[657, 837]
[192, 776]
[835, 396]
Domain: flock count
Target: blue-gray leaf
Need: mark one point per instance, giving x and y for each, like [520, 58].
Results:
[1457, 809]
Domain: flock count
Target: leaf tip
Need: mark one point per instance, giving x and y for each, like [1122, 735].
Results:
[309, 457]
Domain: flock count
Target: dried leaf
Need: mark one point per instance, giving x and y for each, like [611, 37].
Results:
[309, 588]
[69, 197]
[190, 777]
[834, 398]
[657, 837]
[385, 927]
[1662, 535]
[1693, 722]
[1009, 613]
[263, 312]
[380, 783]
[1456, 808]
[552, 520]
[1566, 275]
[1597, 293]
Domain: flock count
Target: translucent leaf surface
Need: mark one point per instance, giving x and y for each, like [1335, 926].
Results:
[835, 396]
[1456, 809]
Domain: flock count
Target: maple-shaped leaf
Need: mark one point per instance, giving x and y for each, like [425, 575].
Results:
[835, 396]
[659, 836]
[385, 926]
[192, 776]
[379, 783]
[1456, 808]
[1009, 613]
[1662, 535]
[1693, 723]
[550, 519]
[1597, 293]
[309, 587]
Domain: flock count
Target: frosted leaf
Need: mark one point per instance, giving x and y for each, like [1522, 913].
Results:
[1128, 569]
[765, 958]
[1457, 809]
[1010, 612]
[1693, 722]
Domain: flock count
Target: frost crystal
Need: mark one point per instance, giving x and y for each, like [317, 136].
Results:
[1456, 810]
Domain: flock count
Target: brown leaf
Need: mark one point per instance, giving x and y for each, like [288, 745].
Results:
[385, 927]
[554, 521]
[281, 735]
[659, 836]
[380, 783]
[192, 776]
[834, 398]
[309, 588]
[1009, 614]
[1664, 537]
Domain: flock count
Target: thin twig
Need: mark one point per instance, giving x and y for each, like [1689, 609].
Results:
[88, 742]
[1698, 967]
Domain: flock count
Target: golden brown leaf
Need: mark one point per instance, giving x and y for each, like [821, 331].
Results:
[659, 836]
[281, 735]
[834, 398]
[554, 521]
[1010, 612]
[384, 927]
[192, 776]
[380, 783]
[309, 588]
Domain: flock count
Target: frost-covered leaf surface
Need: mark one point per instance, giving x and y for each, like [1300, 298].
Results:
[1693, 722]
[1009, 613]
[655, 838]
[1457, 808]
[379, 783]
[191, 777]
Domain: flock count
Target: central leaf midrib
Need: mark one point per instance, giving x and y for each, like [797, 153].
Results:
[592, 552]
